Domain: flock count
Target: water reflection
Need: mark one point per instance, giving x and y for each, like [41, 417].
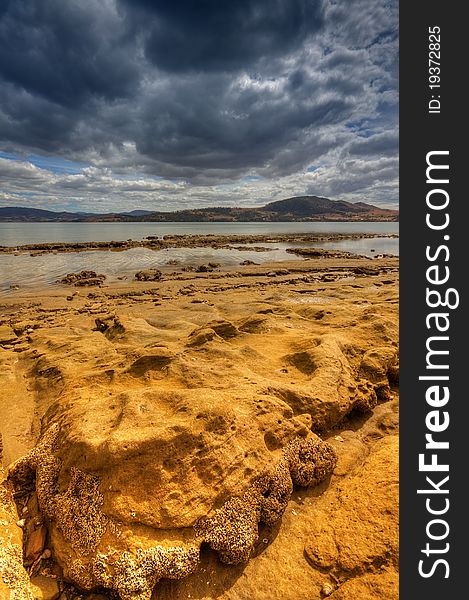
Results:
[25, 271]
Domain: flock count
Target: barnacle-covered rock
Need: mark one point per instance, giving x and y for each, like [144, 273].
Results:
[310, 460]
[232, 531]
[14, 580]
[275, 489]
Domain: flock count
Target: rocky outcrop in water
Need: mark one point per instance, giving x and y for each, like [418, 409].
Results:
[83, 278]
[148, 275]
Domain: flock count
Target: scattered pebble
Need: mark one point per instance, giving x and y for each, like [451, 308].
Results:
[327, 589]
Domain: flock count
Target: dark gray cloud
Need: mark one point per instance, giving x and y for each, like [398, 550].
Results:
[67, 52]
[190, 35]
[207, 92]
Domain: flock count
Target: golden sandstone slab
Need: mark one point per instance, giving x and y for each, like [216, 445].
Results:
[176, 421]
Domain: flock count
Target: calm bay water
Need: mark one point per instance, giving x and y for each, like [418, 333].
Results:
[29, 271]
[14, 234]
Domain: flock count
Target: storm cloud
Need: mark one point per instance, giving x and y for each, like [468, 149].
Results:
[206, 102]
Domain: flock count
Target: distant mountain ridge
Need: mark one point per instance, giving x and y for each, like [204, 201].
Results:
[298, 208]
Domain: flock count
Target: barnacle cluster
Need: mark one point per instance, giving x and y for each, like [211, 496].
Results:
[233, 529]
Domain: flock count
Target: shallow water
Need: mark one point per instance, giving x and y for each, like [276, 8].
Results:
[28, 271]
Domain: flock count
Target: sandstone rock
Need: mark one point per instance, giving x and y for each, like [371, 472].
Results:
[21, 327]
[202, 335]
[221, 330]
[233, 530]
[170, 429]
[366, 270]
[35, 543]
[7, 335]
[157, 361]
[351, 451]
[380, 367]
[359, 528]
[255, 324]
[370, 586]
[188, 290]
[204, 269]
[331, 390]
[87, 472]
[83, 278]
[149, 275]
[225, 329]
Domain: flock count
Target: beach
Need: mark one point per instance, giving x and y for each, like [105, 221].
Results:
[216, 432]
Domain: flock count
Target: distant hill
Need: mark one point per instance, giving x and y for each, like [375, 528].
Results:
[298, 208]
[137, 213]
[307, 206]
[19, 213]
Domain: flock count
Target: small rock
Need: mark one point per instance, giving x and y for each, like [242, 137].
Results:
[203, 269]
[21, 523]
[248, 262]
[83, 278]
[20, 348]
[149, 275]
[327, 589]
[35, 544]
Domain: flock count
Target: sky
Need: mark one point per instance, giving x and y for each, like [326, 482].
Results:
[117, 105]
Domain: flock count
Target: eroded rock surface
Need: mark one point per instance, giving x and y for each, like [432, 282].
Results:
[178, 431]
[355, 534]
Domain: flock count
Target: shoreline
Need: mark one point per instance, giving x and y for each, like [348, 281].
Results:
[336, 263]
